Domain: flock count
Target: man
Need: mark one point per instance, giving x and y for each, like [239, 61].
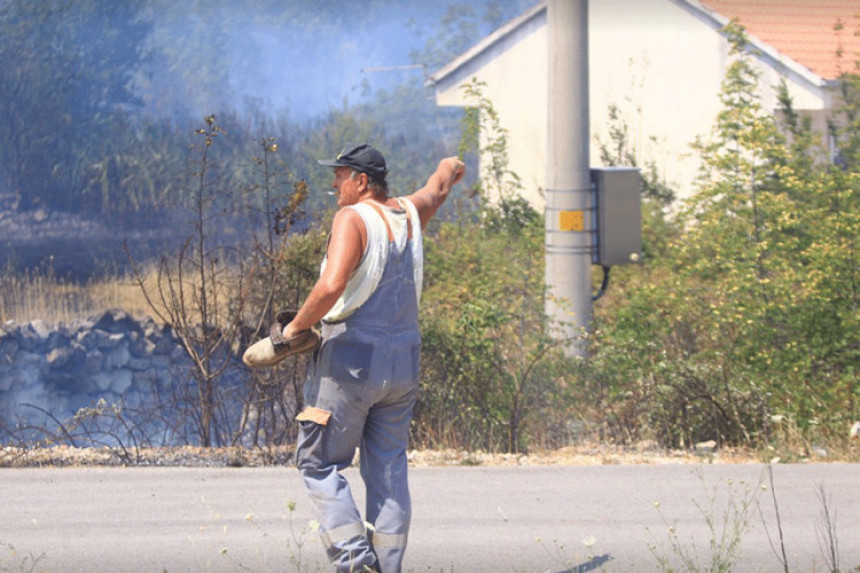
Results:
[364, 379]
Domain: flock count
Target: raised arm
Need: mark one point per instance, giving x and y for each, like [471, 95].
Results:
[429, 198]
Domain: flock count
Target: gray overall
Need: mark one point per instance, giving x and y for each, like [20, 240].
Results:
[361, 393]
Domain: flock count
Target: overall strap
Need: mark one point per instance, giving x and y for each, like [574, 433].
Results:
[378, 208]
[408, 218]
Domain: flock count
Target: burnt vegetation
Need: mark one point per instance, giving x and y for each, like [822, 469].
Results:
[739, 327]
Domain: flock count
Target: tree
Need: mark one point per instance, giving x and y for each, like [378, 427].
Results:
[490, 365]
[66, 73]
[745, 320]
[202, 296]
[457, 31]
[281, 270]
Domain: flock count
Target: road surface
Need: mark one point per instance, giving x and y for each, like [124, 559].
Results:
[466, 519]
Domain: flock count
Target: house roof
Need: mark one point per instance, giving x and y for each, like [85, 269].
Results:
[803, 30]
[488, 42]
[798, 31]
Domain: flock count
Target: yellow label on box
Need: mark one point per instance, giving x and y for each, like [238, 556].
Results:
[571, 221]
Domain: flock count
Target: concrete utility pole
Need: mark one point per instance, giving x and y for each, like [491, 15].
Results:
[568, 194]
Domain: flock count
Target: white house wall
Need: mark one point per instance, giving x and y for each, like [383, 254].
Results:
[661, 62]
[515, 71]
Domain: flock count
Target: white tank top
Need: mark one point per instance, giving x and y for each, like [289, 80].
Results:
[365, 278]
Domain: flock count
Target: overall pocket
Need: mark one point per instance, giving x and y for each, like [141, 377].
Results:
[310, 445]
[348, 360]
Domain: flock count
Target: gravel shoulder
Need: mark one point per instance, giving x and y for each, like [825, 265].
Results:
[188, 456]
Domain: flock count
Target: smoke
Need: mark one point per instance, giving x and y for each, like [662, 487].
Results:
[302, 60]
[299, 58]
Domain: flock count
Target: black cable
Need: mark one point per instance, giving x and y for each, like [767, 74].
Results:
[604, 285]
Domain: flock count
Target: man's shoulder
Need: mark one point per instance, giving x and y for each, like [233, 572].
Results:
[349, 212]
[348, 218]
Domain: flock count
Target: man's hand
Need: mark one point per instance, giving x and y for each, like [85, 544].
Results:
[458, 170]
[429, 198]
[289, 332]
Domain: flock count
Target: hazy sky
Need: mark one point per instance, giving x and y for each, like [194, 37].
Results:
[302, 57]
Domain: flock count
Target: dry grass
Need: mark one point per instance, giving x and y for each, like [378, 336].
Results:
[32, 295]
[39, 294]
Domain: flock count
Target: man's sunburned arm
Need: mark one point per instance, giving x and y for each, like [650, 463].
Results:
[429, 198]
[342, 257]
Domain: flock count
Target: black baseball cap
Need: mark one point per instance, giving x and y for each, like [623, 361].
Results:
[364, 158]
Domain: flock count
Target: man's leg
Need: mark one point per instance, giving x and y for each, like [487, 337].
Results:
[384, 470]
[325, 446]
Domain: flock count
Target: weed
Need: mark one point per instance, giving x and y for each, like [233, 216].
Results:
[295, 548]
[828, 542]
[293, 544]
[592, 562]
[726, 530]
[15, 562]
[780, 554]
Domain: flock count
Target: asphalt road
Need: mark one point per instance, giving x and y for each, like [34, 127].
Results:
[466, 519]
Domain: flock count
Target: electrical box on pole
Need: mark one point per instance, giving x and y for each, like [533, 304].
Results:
[618, 213]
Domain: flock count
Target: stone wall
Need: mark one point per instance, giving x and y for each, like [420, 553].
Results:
[50, 372]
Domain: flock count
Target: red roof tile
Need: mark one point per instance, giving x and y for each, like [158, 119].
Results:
[802, 30]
